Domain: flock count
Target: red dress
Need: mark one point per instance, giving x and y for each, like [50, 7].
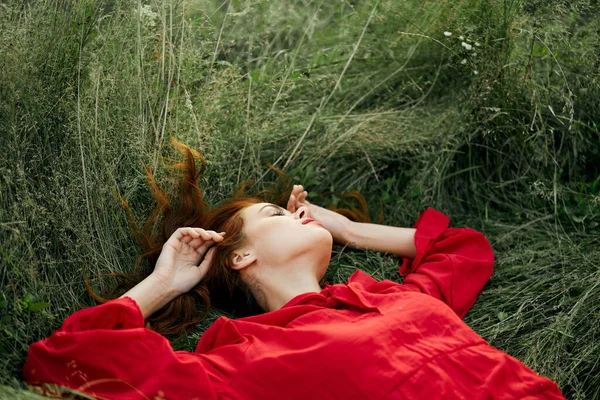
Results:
[366, 339]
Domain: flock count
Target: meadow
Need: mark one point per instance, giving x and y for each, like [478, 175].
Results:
[487, 110]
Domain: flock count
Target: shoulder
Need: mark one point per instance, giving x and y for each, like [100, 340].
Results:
[221, 333]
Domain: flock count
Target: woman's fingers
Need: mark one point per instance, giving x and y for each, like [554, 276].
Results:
[201, 246]
[291, 205]
[196, 243]
[302, 196]
[180, 233]
[206, 262]
[297, 196]
[187, 238]
[208, 235]
[195, 237]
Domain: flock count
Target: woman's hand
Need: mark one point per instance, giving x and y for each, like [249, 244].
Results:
[338, 225]
[178, 267]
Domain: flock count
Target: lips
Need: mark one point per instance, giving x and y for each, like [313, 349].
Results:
[310, 220]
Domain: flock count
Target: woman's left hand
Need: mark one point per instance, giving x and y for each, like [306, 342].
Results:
[178, 266]
[338, 225]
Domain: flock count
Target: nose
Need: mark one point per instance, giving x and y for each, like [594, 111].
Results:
[302, 212]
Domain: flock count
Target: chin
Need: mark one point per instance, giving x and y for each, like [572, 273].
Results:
[328, 234]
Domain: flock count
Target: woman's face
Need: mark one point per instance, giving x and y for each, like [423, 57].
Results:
[277, 237]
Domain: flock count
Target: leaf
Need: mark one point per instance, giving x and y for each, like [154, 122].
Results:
[594, 186]
[502, 315]
[389, 182]
[223, 62]
[37, 306]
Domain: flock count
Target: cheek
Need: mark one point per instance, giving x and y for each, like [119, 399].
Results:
[311, 238]
[275, 234]
[282, 238]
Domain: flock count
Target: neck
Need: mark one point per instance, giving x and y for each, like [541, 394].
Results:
[277, 286]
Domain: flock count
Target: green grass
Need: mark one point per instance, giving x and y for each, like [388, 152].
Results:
[344, 95]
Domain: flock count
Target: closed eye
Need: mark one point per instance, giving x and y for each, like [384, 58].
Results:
[278, 213]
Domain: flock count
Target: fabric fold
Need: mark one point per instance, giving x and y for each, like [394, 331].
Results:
[430, 225]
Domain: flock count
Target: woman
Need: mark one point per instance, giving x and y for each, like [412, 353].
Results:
[365, 339]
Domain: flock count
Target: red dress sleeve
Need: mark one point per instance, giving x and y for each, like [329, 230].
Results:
[451, 264]
[106, 352]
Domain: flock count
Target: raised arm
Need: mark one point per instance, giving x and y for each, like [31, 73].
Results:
[106, 351]
[390, 239]
[451, 264]
[387, 239]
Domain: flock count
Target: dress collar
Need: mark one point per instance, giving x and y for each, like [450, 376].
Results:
[309, 298]
[337, 296]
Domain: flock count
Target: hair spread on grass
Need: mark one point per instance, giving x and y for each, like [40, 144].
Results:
[222, 287]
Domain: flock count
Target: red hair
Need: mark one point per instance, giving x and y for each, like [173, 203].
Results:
[222, 286]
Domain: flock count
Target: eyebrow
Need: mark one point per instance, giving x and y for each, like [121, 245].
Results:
[271, 205]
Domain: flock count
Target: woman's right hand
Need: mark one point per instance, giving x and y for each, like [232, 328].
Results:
[178, 267]
[337, 224]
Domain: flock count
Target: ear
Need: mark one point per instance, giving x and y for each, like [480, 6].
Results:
[242, 258]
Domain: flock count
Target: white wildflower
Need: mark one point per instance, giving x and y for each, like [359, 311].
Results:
[463, 62]
[447, 34]
[475, 72]
[539, 188]
[149, 18]
[188, 102]
[461, 37]
[466, 45]
[477, 44]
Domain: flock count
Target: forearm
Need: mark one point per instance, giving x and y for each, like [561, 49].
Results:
[388, 239]
[150, 295]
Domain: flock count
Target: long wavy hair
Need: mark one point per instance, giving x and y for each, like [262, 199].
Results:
[222, 286]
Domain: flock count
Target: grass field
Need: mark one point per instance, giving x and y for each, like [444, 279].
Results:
[487, 110]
